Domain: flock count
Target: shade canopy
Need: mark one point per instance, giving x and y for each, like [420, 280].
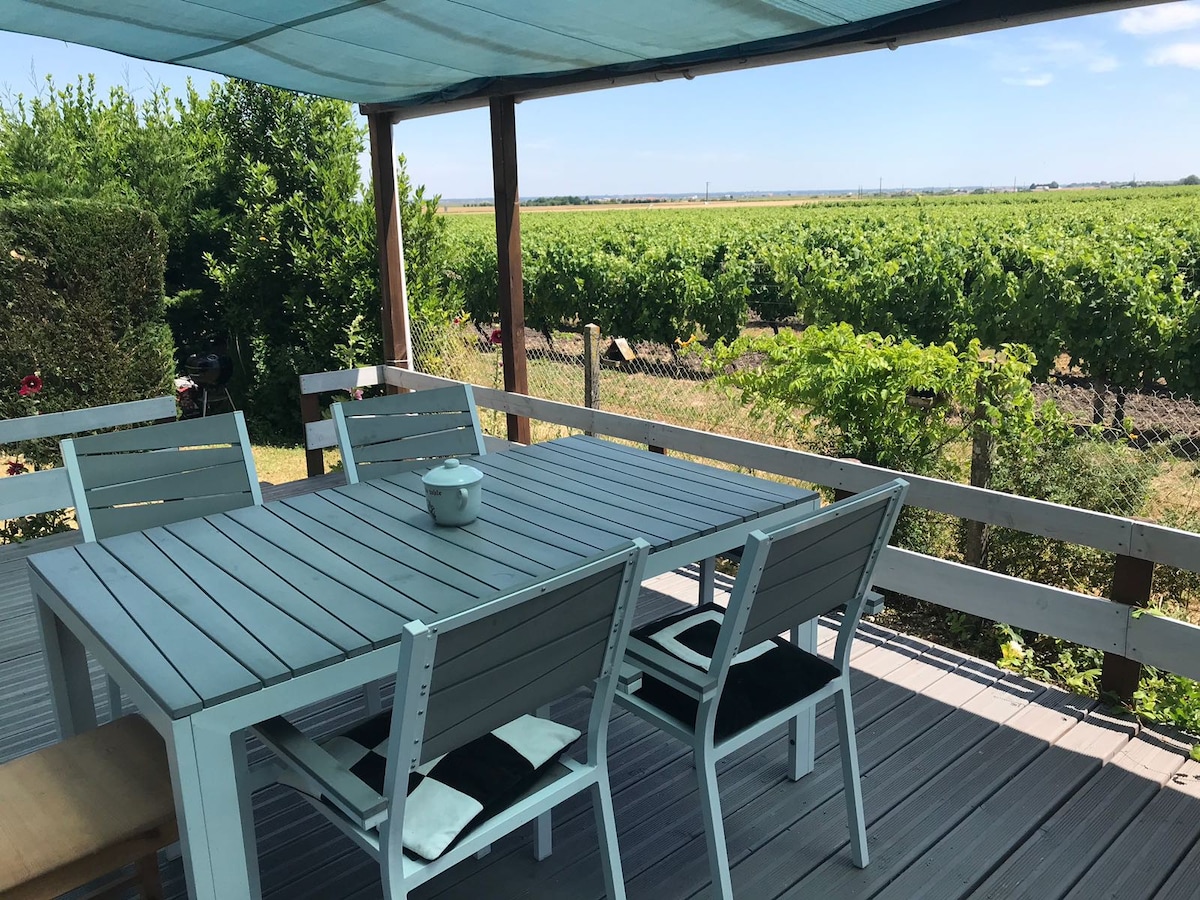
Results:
[417, 57]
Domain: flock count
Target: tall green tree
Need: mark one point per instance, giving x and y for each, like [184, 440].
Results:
[270, 233]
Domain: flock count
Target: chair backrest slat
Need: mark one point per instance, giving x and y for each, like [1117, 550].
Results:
[813, 566]
[490, 671]
[440, 443]
[131, 480]
[399, 432]
[814, 571]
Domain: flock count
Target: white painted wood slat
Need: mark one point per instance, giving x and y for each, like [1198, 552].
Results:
[35, 492]
[1064, 614]
[78, 420]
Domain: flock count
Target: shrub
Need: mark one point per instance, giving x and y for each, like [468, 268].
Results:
[81, 305]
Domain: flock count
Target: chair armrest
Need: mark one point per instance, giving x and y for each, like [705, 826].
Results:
[874, 604]
[358, 802]
[665, 667]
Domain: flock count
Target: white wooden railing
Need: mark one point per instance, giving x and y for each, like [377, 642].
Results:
[39, 492]
[1111, 624]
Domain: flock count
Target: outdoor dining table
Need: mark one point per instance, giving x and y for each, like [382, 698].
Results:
[212, 625]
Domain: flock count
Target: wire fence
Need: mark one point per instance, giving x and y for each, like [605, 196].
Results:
[1145, 446]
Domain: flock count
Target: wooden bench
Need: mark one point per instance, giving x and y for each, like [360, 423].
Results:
[84, 808]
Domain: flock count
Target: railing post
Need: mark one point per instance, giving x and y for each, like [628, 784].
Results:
[591, 367]
[1132, 581]
[310, 411]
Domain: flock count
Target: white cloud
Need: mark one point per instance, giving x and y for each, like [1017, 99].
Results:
[1034, 81]
[1037, 60]
[1161, 19]
[1186, 55]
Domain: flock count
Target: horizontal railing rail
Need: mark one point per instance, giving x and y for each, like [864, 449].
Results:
[38, 492]
[1114, 625]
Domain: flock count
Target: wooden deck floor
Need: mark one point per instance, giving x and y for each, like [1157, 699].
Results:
[977, 784]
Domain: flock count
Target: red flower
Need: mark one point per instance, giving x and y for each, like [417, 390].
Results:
[495, 337]
[30, 384]
[15, 467]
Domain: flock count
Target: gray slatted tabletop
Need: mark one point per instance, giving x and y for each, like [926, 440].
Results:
[210, 609]
[215, 624]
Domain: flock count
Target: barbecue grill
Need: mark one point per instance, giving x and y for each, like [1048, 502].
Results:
[211, 373]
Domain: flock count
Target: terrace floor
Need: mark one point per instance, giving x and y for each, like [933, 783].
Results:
[977, 784]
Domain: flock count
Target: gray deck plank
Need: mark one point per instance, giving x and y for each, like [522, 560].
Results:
[980, 843]
[1050, 862]
[1150, 847]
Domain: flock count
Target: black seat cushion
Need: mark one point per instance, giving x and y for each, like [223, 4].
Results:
[447, 796]
[762, 680]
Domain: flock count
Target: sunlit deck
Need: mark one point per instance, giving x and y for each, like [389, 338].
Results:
[977, 784]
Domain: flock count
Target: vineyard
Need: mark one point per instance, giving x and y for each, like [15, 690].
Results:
[1105, 285]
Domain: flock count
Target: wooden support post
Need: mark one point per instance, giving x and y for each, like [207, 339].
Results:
[591, 367]
[1132, 581]
[393, 294]
[310, 411]
[508, 254]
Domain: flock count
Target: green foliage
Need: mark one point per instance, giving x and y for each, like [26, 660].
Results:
[882, 401]
[73, 143]
[1112, 279]
[81, 305]
[269, 236]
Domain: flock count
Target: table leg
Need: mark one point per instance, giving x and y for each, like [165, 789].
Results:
[802, 729]
[708, 578]
[71, 695]
[213, 804]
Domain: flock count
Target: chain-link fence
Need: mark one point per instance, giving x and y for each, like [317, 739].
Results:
[1136, 455]
[1144, 447]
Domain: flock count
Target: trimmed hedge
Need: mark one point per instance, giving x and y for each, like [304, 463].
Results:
[81, 305]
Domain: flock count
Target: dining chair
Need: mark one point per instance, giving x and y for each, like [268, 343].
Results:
[130, 480]
[399, 432]
[458, 761]
[717, 679]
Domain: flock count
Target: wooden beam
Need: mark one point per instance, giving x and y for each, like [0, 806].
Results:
[1133, 580]
[508, 254]
[393, 294]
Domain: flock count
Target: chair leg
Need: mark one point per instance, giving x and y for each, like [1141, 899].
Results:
[543, 835]
[149, 879]
[373, 694]
[852, 784]
[714, 826]
[708, 579]
[802, 729]
[115, 704]
[606, 832]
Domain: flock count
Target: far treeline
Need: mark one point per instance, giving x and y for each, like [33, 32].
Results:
[1111, 278]
[268, 233]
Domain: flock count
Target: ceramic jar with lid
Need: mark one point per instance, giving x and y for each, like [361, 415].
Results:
[453, 492]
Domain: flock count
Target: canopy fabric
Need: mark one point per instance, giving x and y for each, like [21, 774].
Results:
[415, 57]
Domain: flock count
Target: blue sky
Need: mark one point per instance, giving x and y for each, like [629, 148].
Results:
[1106, 97]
